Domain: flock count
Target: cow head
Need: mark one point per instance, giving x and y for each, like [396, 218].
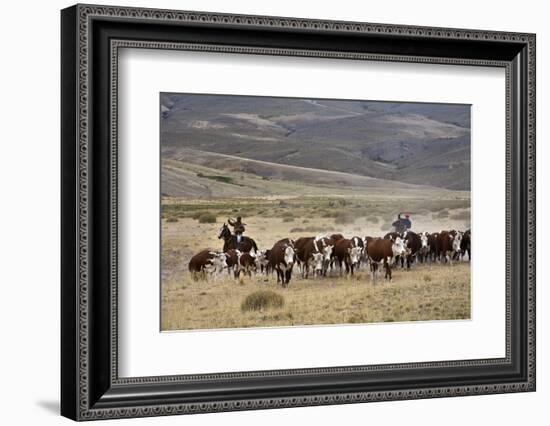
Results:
[220, 261]
[424, 241]
[457, 240]
[260, 258]
[217, 262]
[398, 247]
[289, 255]
[355, 255]
[327, 252]
[317, 262]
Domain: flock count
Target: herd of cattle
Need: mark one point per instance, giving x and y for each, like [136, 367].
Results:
[322, 254]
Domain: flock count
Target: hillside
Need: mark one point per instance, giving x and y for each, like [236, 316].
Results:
[427, 144]
[197, 174]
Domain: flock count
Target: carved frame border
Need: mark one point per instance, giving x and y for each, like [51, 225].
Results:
[87, 12]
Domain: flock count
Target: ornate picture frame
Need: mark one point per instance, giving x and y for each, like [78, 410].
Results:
[91, 37]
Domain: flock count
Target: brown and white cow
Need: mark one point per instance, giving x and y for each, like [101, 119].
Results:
[433, 244]
[261, 261]
[424, 251]
[326, 246]
[359, 242]
[281, 258]
[413, 244]
[207, 262]
[449, 244]
[289, 241]
[393, 235]
[336, 237]
[232, 260]
[308, 254]
[385, 251]
[347, 253]
[247, 264]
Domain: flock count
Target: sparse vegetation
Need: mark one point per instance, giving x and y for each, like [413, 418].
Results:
[172, 219]
[261, 300]
[333, 300]
[218, 178]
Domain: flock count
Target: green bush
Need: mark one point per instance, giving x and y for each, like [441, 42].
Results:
[262, 299]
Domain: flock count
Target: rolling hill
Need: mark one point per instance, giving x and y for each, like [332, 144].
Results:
[197, 174]
[416, 143]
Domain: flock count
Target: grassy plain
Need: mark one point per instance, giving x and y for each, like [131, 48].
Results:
[425, 293]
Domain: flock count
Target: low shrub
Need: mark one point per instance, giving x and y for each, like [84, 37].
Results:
[207, 218]
[344, 218]
[316, 229]
[288, 219]
[463, 215]
[262, 299]
[373, 219]
[443, 214]
[172, 219]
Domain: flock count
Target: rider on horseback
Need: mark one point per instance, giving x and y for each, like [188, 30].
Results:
[402, 224]
[238, 227]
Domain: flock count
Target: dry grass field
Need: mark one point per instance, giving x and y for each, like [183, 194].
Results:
[440, 292]
[437, 292]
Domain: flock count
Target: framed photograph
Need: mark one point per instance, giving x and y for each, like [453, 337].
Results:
[263, 212]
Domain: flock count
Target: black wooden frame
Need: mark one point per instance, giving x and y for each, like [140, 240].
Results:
[90, 386]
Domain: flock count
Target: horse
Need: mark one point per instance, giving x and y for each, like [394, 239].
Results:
[230, 241]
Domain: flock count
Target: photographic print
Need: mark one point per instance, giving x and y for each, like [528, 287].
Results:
[293, 211]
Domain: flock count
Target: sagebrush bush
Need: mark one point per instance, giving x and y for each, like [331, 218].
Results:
[313, 228]
[373, 219]
[443, 214]
[293, 230]
[344, 218]
[463, 215]
[172, 219]
[288, 219]
[207, 218]
[262, 299]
